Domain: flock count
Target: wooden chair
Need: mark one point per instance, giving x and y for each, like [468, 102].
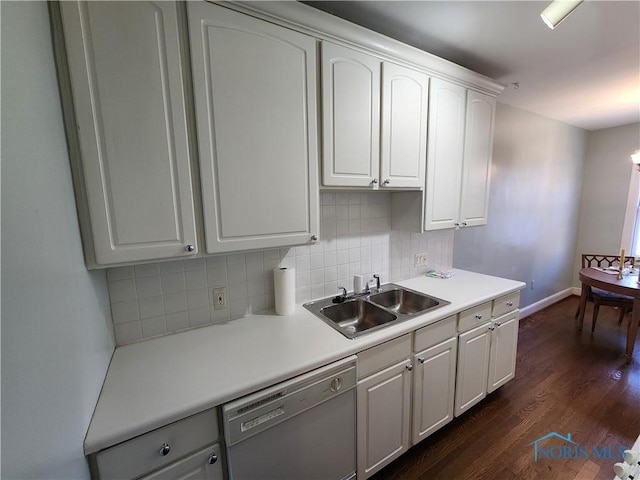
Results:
[602, 297]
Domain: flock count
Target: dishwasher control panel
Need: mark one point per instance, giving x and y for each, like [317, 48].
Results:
[254, 413]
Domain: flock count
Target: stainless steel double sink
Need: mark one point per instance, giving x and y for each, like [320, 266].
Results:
[366, 313]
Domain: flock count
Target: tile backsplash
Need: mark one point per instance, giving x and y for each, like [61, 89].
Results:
[355, 238]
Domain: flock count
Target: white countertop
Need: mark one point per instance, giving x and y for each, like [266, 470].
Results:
[158, 381]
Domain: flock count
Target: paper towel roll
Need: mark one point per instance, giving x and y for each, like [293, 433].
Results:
[284, 282]
[358, 284]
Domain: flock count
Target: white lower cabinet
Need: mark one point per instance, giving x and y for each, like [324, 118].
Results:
[383, 417]
[434, 379]
[502, 358]
[473, 367]
[487, 352]
[186, 449]
[407, 392]
[384, 405]
[203, 465]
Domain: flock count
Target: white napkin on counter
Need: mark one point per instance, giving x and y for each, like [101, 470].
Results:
[440, 273]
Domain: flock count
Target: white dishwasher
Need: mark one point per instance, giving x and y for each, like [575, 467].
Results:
[301, 429]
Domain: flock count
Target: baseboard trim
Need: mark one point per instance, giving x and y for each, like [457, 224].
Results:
[550, 300]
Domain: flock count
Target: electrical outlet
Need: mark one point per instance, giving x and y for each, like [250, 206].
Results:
[420, 260]
[220, 298]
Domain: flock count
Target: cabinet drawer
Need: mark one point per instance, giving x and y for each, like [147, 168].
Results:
[197, 465]
[141, 455]
[474, 316]
[433, 334]
[381, 356]
[505, 304]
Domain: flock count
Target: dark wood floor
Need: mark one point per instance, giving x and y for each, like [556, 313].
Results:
[566, 382]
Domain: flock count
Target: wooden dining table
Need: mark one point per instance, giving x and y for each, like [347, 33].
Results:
[627, 285]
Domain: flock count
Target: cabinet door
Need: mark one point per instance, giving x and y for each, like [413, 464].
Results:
[478, 148]
[350, 117]
[434, 382]
[473, 366]
[404, 126]
[444, 154]
[126, 75]
[504, 346]
[255, 95]
[384, 409]
[194, 467]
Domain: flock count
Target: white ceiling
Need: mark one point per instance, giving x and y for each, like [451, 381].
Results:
[586, 72]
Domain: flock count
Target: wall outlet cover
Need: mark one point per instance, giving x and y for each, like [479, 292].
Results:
[220, 298]
[420, 260]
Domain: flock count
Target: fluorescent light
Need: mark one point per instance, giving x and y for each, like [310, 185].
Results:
[557, 11]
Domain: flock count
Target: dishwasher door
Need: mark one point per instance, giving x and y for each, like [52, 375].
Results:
[302, 429]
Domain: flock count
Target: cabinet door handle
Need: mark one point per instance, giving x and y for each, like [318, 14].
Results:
[213, 458]
[492, 328]
[374, 181]
[422, 360]
[464, 224]
[479, 316]
[509, 304]
[386, 182]
[165, 449]
[497, 324]
[409, 367]
[190, 248]
[314, 238]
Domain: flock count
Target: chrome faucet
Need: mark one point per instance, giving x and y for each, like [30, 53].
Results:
[368, 287]
[367, 291]
[340, 298]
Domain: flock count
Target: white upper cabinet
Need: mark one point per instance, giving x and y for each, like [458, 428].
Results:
[478, 151]
[458, 156]
[445, 153]
[404, 126]
[255, 102]
[374, 134]
[351, 117]
[240, 116]
[129, 127]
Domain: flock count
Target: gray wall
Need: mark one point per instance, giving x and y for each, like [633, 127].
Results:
[56, 338]
[534, 205]
[607, 173]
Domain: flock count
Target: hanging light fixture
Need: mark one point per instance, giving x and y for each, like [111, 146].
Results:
[557, 11]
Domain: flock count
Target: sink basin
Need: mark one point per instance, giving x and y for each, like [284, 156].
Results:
[356, 316]
[369, 312]
[407, 302]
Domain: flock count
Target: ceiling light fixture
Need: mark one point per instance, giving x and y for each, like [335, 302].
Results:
[557, 11]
